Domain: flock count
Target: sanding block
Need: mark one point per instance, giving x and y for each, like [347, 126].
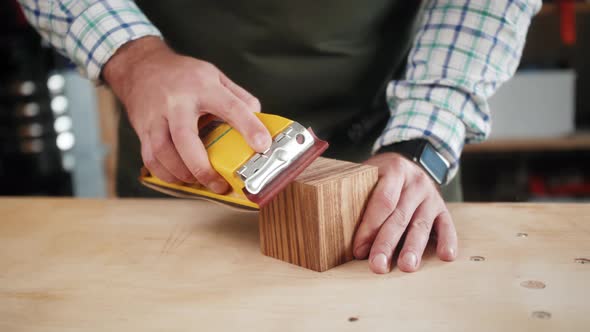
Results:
[255, 178]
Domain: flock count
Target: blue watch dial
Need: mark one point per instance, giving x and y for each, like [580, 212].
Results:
[434, 163]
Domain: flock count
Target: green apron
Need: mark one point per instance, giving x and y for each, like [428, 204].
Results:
[322, 63]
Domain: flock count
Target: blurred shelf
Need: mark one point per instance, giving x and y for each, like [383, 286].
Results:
[551, 8]
[575, 142]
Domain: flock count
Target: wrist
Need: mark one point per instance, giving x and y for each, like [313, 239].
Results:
[424, 155]
[122, 68]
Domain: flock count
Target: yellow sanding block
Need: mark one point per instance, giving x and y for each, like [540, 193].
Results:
[255, 178]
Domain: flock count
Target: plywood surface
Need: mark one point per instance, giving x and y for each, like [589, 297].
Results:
[172, 265]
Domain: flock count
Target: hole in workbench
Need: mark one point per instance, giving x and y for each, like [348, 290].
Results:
[533, 284]
[522, 234]
[353, 319]
[541, 315]
[477, 258]
[582, 260]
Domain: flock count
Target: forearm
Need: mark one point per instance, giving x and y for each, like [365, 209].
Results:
[88, 32]
[127, 63]
[462, 53]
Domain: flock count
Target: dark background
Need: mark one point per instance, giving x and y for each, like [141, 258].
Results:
[34, 162]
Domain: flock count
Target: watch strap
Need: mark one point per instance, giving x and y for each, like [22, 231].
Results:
[414, 151]
[409, 149]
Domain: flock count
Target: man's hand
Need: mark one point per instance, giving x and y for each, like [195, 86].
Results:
[165, 94]
[405, 200]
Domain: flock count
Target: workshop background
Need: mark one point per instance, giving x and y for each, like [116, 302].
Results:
[58, 131]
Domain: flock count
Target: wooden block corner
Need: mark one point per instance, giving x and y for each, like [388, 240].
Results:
[312, 222]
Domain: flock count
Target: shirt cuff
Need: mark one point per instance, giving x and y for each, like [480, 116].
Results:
[419, 119]
[96, 34]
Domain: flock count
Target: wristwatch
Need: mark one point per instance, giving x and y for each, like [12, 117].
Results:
[425, 155]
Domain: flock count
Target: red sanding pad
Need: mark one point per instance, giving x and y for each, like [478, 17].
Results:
[288, 175]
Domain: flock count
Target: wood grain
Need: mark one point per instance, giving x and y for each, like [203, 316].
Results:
[179, 265]
[312, 222]
[109, 119]
[551, 8]
[578, 142]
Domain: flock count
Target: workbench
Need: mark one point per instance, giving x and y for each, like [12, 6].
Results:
[180, 265]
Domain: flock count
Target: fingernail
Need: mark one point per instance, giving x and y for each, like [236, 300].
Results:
[451, 253]
[218, 186]
[262, 142]
[380, 261]
[410, 259]
[191, 180]
[361, 251]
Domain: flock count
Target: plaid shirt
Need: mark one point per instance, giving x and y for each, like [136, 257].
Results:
[463, 51]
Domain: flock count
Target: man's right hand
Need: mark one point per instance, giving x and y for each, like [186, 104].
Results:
[165, 94]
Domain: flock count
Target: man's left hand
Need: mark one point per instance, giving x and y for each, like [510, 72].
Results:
[405, 200]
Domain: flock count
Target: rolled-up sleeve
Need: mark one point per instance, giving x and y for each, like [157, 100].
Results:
[88, 32]
[463, 51]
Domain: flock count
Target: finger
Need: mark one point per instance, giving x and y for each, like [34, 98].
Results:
[380, 206]
[393, 229]
[153, 165]
[164, 150]
[418, 235]
[234, 111]
[241, 93]
[447, 242]
[184, 131]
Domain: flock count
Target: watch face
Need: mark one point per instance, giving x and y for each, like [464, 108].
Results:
[434, 163]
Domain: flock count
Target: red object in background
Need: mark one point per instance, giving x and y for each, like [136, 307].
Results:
[21, 20]
[567, 21]
[11, 16]
[539, 187]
